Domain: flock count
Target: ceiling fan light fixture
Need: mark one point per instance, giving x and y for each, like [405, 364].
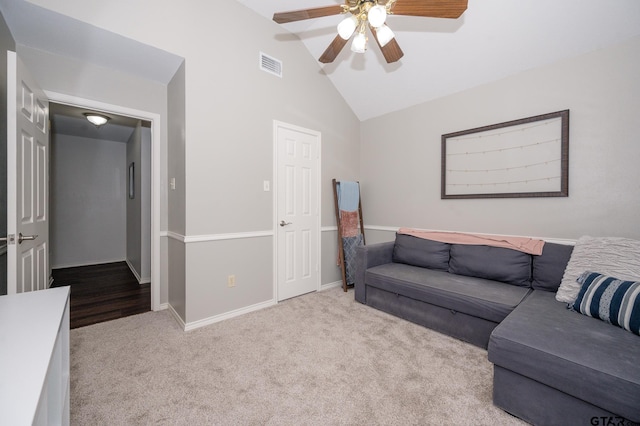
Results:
[359, 44]
[384, 35]
[377, 16]
[96, 119]
[372, 13]
[347, 26]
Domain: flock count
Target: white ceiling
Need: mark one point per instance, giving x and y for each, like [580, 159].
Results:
[492, 40]
[66, 36]
[69, 37]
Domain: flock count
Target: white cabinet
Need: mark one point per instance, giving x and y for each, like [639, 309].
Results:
[34, 358]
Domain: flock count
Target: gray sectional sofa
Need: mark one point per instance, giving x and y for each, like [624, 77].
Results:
[552, 366]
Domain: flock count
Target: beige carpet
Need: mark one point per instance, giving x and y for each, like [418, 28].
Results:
[319, 359]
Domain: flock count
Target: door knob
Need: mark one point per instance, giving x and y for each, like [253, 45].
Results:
[22, 238]
[283, 223]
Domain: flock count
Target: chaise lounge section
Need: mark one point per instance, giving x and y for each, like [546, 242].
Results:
[555, 366]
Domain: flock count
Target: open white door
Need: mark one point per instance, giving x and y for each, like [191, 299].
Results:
[27, 181]
[298, 210]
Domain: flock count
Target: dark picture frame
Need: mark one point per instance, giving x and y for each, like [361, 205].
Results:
[521, 158]
[132, 181]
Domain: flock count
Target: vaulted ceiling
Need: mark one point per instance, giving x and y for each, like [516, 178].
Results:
[65, 36]
[492, 40]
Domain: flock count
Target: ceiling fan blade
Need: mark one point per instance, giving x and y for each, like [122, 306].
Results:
[430, 8]
[391, 50]
[333, 50]
[300, 15]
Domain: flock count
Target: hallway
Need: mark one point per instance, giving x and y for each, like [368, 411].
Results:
[103, 292]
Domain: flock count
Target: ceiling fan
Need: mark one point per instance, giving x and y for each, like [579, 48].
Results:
[372, 14]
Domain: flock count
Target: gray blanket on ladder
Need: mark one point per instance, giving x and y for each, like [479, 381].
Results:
[349, 245]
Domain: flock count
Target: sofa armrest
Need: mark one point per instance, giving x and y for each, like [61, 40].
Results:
[368, 257]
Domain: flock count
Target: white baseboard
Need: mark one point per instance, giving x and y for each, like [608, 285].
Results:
[133, 270]
[175, 316]
[217, 318]
[88, 263]
[327, 286]
[163, 307]
[141, 280]
[232, 314]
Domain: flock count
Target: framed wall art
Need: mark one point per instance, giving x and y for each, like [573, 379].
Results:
[520, 158]
[132, 181]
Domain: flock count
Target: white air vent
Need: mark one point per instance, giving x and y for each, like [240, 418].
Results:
[270, 65]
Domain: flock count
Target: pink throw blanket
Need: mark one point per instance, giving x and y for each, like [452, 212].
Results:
[349, 223]
[523, 244]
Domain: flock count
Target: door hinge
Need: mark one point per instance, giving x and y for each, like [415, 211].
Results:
[10, 239]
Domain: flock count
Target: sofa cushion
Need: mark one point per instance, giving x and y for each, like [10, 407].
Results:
[421, 252]
[481, 298]
[581, 356]
[614, 301]
[615, 256]
[548, 268]
[492, 263]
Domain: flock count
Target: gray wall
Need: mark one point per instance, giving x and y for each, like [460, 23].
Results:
[174, 264]
[229, 109]
[330, 270]
[88, 201]
[400, 152]
[134, 205]
[6, 43]
[229, 153]
[138, 208]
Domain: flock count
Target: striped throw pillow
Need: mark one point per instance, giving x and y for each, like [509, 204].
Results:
[609, 299]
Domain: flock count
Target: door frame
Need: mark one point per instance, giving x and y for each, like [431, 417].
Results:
[154, 118]
[282, 125]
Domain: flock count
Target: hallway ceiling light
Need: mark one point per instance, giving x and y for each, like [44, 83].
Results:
[96, 119]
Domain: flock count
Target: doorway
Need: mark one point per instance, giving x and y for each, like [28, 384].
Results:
[100, 191]
[154, 119]
[101, 211]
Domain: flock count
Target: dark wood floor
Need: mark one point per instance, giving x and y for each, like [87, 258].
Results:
[103, 292]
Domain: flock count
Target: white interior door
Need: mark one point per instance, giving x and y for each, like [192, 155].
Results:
[27, 180]
[298, 210]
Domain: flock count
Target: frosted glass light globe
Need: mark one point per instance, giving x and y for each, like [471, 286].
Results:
[377, 16]
[347, 26]
[96, 119]
[359, 44]
[384, 35]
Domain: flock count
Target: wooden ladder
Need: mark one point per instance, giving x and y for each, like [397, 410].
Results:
[343, 266]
